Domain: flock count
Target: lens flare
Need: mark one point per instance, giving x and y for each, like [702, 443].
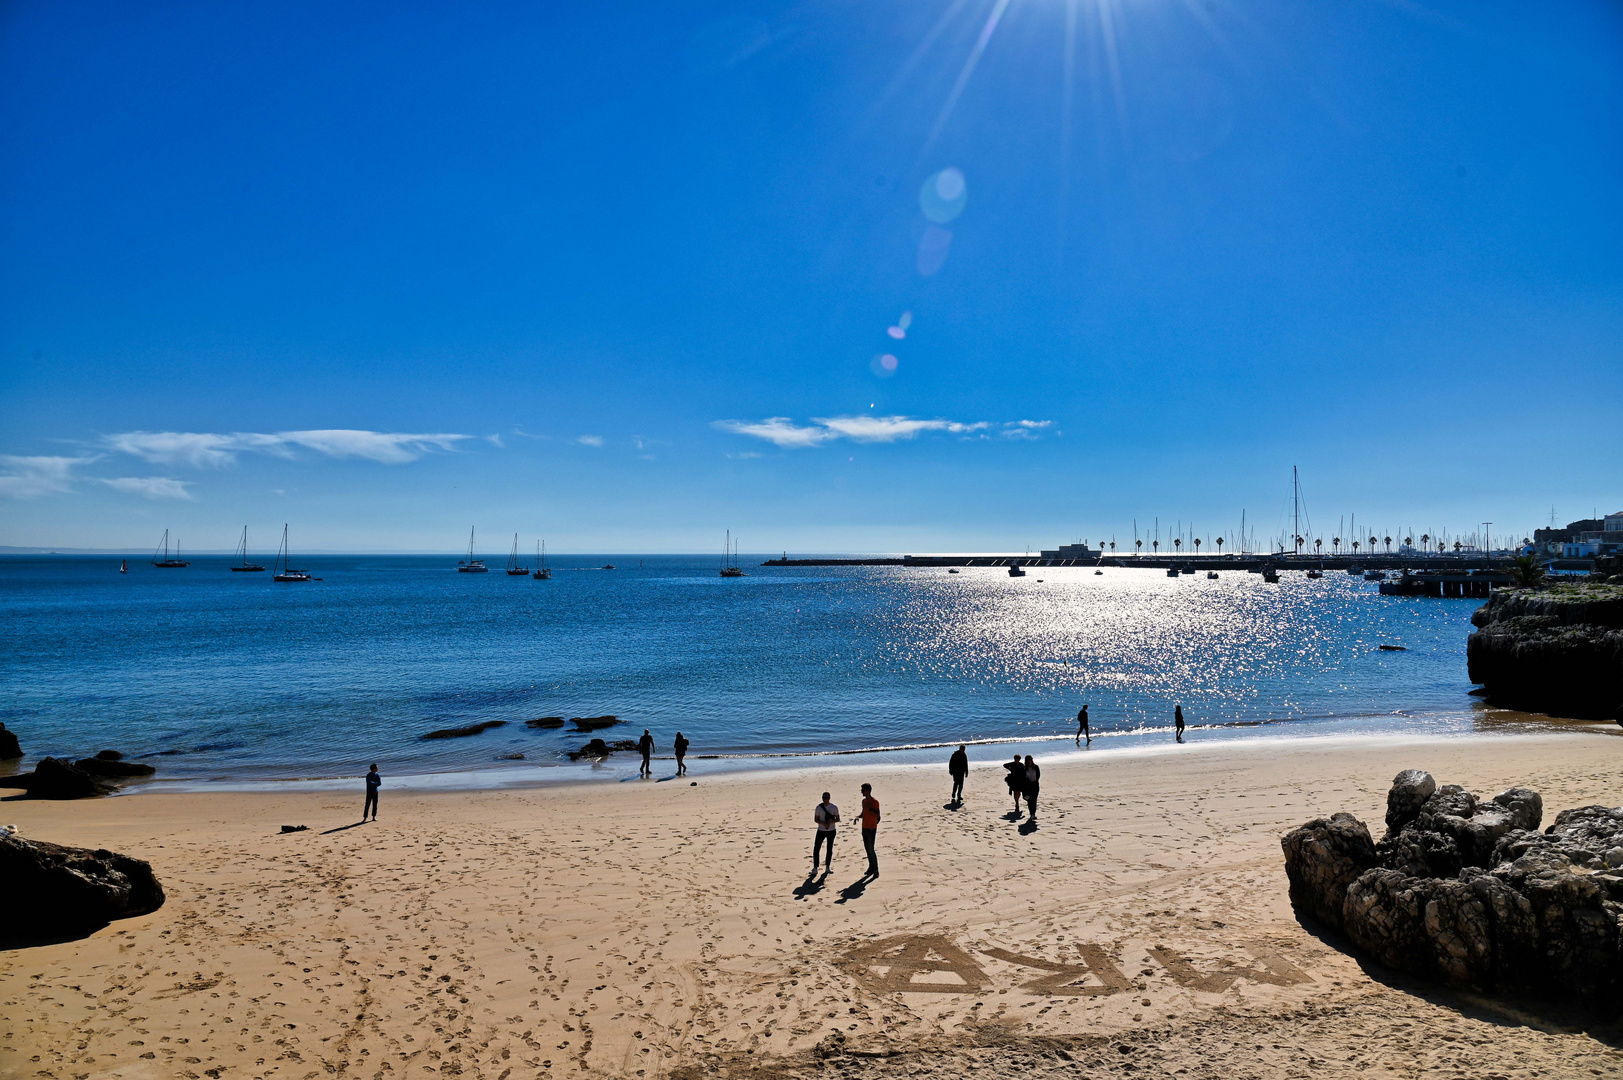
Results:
[884, 365]
[943, 196]
[933, 248]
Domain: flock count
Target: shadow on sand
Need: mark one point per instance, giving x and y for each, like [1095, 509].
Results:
[342, 828]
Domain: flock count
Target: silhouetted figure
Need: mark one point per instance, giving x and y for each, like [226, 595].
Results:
[1016, 780]
[870, 827]
[1032, 777]
[373, 781]
[958, 768]
[681, 747]
[1082, 731]
[646, 745]
[1177, 720]
[827, 816]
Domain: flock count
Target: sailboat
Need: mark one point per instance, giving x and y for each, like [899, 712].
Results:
[729, 559]
[242, 552]
[513, 568]
[124, 566]
[167, 562]
[285, 572]
[471, 565]
[541, 572]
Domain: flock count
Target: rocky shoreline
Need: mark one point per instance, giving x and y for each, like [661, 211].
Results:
[1556, 650]
[1467, 891]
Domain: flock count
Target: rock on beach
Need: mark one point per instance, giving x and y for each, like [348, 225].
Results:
[52, 889]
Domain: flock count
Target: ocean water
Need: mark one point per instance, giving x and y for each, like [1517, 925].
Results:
[222, 676]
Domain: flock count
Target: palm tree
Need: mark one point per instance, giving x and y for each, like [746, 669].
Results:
[1335, 542]
[1425, 541]
[1355, 549]
[1112, 547]
[1408, 542]
[1177, 542]
[1139, 544]
[1220, 545]
[1389, 545]
[1318, 546]
[1156, 546]
[1197, 545]
[1526, 572]
[1372, 542]
[1457, 546]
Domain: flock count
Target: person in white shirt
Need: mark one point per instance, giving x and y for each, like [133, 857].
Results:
[827, 816]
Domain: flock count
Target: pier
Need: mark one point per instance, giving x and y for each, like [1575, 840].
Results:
[1445, 564]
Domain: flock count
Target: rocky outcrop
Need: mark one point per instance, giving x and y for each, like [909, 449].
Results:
[597, 748]
[111, 763]
[1557, 650]
[462, 732]
[593, 723]
[52, 890]
[1469, 892]
[8, 745]
[545, 722]
[54, 778]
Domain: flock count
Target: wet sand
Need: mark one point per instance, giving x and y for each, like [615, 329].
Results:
[661, 929]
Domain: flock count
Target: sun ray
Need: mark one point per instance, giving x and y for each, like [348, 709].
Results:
[1066, 116]
[1107, 30]
[979, 48]
[911, 63]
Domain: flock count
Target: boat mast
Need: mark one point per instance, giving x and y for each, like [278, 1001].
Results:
[1296, 512]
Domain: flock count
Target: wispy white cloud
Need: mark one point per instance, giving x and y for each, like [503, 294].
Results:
[779, 430]
[786, 433]
[218, 450]
[31, 477]
[151, 487]
[590, 440]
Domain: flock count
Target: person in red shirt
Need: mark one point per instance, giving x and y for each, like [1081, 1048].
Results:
[870, 826]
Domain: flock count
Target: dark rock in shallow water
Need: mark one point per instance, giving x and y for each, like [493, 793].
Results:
[9, 747]
[109, 755]
[100, 766]
[1468, 892]
[53, 889]
[54, 778]
[593, 723]
[545, 722]
[596, 748]
[1557, 650]
[459, 732]
[509, 757]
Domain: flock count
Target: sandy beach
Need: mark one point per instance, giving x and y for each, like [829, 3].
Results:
[660, 929]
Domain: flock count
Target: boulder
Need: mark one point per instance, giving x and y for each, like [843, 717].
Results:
[1322, 858]
[1468, 892]
[1410, 790]
[1557, 650]
[52, 890]
[9, 747]
[545, 722]
[461, 732]
[54, 778]
[596, 748]
[109, 755]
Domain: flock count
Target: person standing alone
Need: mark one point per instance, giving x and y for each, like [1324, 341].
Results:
[827, 816]
[1177, 720]
[373, 781]
[870, 827]
[1082, 731]
[958, 768]
[681, 748]
[646, 745]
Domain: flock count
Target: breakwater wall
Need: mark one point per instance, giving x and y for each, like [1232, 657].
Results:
[1328, 563]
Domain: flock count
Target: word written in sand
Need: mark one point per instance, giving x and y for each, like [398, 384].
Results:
[891, 965]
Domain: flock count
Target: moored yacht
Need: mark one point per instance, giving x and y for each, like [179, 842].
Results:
[471, 565]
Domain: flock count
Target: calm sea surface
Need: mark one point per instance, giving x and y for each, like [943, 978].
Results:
[233, 676]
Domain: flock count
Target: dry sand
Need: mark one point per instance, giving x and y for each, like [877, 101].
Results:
[659, 929]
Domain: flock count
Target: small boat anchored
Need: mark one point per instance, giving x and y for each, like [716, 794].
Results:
[729, 558]
[244, 566]
[1015, 571]
[124, 567]
[168, 562]
[471, 565]
[285, 572]
[541, 572]
[513, 567]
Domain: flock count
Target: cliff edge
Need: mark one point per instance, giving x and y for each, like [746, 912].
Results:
[1556, 650]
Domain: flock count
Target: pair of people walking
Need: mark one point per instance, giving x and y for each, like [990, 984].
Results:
[1025, 781]
[646, 746]
[827, 817]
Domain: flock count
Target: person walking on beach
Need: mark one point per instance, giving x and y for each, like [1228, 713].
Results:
[373, 780]
[1016, 780]
[870, 827]
[1032, 776]
[1177, 720]
[827, 816]
[646, 745]
[958, 768]
[681, 747]
[1082, 726]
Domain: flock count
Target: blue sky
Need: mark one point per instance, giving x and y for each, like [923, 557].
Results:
[627, 275]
